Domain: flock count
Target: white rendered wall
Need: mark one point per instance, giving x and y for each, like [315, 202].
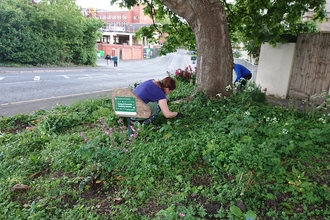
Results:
[274, 68]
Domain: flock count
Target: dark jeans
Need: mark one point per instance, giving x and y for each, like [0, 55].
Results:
[243, 80]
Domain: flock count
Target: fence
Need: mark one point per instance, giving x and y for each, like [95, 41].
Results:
[311, 66]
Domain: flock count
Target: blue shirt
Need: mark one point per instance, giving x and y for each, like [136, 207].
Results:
[241, 71]
[148, 91]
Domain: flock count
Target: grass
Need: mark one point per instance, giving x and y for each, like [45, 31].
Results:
[229, 158]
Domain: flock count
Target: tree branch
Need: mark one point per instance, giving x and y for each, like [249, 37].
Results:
[152, 14]
[228, 7]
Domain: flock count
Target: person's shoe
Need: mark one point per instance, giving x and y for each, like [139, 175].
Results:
[147, 122]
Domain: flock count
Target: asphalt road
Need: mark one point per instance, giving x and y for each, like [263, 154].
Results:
[24, 90]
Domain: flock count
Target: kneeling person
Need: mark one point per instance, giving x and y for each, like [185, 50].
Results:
[154, 93]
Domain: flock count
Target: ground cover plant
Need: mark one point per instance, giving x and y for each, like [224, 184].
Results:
[229, 158]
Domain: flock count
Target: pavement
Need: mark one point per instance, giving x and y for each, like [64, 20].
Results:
[101, 66]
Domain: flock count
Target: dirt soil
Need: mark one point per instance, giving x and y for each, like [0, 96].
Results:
[301, 105]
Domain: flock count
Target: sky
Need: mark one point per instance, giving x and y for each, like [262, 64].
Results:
[99, 4]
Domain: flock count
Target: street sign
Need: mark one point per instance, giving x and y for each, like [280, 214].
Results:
[125, 105]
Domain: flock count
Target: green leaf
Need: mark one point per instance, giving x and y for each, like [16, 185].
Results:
[179, 178]
[250, 215]
[236, 211]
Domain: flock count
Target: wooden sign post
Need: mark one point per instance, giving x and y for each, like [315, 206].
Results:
[126, 104]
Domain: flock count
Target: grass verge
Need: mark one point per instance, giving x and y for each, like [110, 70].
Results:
[229, 158]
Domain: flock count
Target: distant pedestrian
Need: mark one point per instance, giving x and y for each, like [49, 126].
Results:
[243, 74]
[108, 58]
[115, 61]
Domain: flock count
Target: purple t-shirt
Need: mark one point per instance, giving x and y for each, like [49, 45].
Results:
[148, 91]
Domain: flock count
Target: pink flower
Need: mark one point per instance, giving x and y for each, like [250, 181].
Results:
[181, 215]
[178, 72]
[84, 136]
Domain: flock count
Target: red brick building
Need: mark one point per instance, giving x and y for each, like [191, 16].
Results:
[135, 16]
[118, 35]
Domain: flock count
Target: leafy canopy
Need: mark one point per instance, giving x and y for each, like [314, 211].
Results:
[250, 22]
[253, 22]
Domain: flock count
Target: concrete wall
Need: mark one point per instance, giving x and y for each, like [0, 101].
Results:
[274, 69]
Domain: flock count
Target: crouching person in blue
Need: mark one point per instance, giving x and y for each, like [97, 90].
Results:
[243, 74]
[153, 93]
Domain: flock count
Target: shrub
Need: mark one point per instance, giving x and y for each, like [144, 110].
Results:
[188, 74]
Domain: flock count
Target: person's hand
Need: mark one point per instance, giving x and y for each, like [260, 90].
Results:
[179, 115]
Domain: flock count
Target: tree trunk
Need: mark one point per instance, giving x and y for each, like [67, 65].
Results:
[207, 19]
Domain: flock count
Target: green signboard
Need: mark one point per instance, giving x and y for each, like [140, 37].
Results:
[100, 53]
[125, 105]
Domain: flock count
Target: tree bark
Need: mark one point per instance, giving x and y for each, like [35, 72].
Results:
[207, 19]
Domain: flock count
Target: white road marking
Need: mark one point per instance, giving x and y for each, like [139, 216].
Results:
[1, 78]
[37, 78]
[57, 97]
[94, 76]
[66, 76]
